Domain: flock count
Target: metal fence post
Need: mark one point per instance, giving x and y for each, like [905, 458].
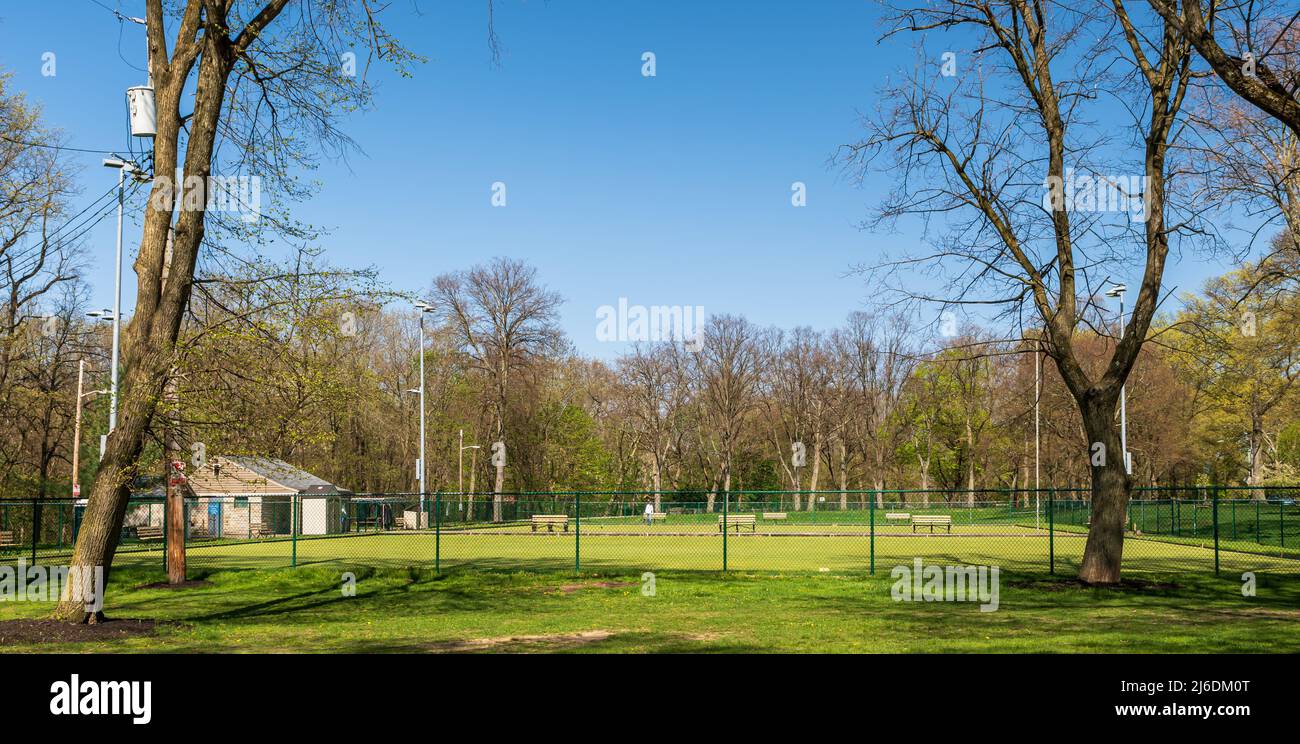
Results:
[726, 497]
[35, 529]
[1282, 527]
[293, 530]
[577, 533]
[1051, 531]
[437, 532]
[872, 517]
[1214, 495]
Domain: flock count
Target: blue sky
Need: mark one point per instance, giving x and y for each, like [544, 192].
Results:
[673, 189]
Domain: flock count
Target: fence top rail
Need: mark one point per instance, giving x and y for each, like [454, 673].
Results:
[701, 493]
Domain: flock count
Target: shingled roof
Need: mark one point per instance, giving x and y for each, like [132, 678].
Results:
[263, 475]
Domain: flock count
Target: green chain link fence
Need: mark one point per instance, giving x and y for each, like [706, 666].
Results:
[1218, 529]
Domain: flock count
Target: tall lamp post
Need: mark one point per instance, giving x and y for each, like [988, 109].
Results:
[108, 316]
[460, 468]
[1118, 291]
[76, 429]
[123, 167]
[423, 308]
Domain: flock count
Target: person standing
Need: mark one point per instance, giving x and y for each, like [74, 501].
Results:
[649, 513]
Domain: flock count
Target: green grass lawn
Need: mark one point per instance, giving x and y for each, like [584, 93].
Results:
[409, 610]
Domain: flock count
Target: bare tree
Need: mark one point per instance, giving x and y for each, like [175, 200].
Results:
[797, 400]
[877, 356]
[991, 156]
[654, 386]
[1240, 39]
[505, 322]
[727, 370]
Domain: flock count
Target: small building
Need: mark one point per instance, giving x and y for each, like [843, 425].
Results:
[247, 497]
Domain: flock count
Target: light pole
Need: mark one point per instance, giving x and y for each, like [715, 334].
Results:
[1118, 291]
[123, 167]
[423, 307]
[108, 316]
[76, 429]
[460, 469]
[1038, 393]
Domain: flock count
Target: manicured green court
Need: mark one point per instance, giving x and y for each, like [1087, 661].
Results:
[667, 547]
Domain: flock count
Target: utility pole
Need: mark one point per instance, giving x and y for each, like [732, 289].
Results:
[174, 467]
[76, 433]
[76, 429]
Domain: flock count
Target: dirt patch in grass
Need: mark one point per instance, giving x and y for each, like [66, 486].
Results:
[571, 588]
[520, 644]
[1062, 585]
[191, 584]
[14, 632]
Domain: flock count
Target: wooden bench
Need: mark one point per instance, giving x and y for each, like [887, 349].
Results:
[728, 521]
[199, 533]
[657, 516]
[932, 521]
[146, 533]
[399, 523]
[775, 515]
[550, 520]
[897, 516]
[7, 538]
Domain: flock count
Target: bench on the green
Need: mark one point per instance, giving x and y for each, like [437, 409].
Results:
[727, 521]
[931, 521]
[658, 516]
[550, 520]
[7, 537]
[775, 515]
[897, 516]
[146, 533]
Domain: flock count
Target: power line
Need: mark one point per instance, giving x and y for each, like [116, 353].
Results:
[48, 146]
[47, 239]
[79, 231]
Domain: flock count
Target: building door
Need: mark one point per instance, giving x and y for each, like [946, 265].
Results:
[214, 518]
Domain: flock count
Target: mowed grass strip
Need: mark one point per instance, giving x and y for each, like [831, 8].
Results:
[476, 610]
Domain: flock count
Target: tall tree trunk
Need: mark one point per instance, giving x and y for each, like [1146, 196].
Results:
[657, 480]
[497, 486]
[1103, 552]
[814, 478]
[1256, 453]
[149, 339]
[844, 476]
[970, 464]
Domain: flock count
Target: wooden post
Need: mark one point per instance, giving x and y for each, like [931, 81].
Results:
[175, 509]
[76, 433]
[175, 476]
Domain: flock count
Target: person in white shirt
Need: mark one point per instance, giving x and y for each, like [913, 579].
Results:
[649, 513]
